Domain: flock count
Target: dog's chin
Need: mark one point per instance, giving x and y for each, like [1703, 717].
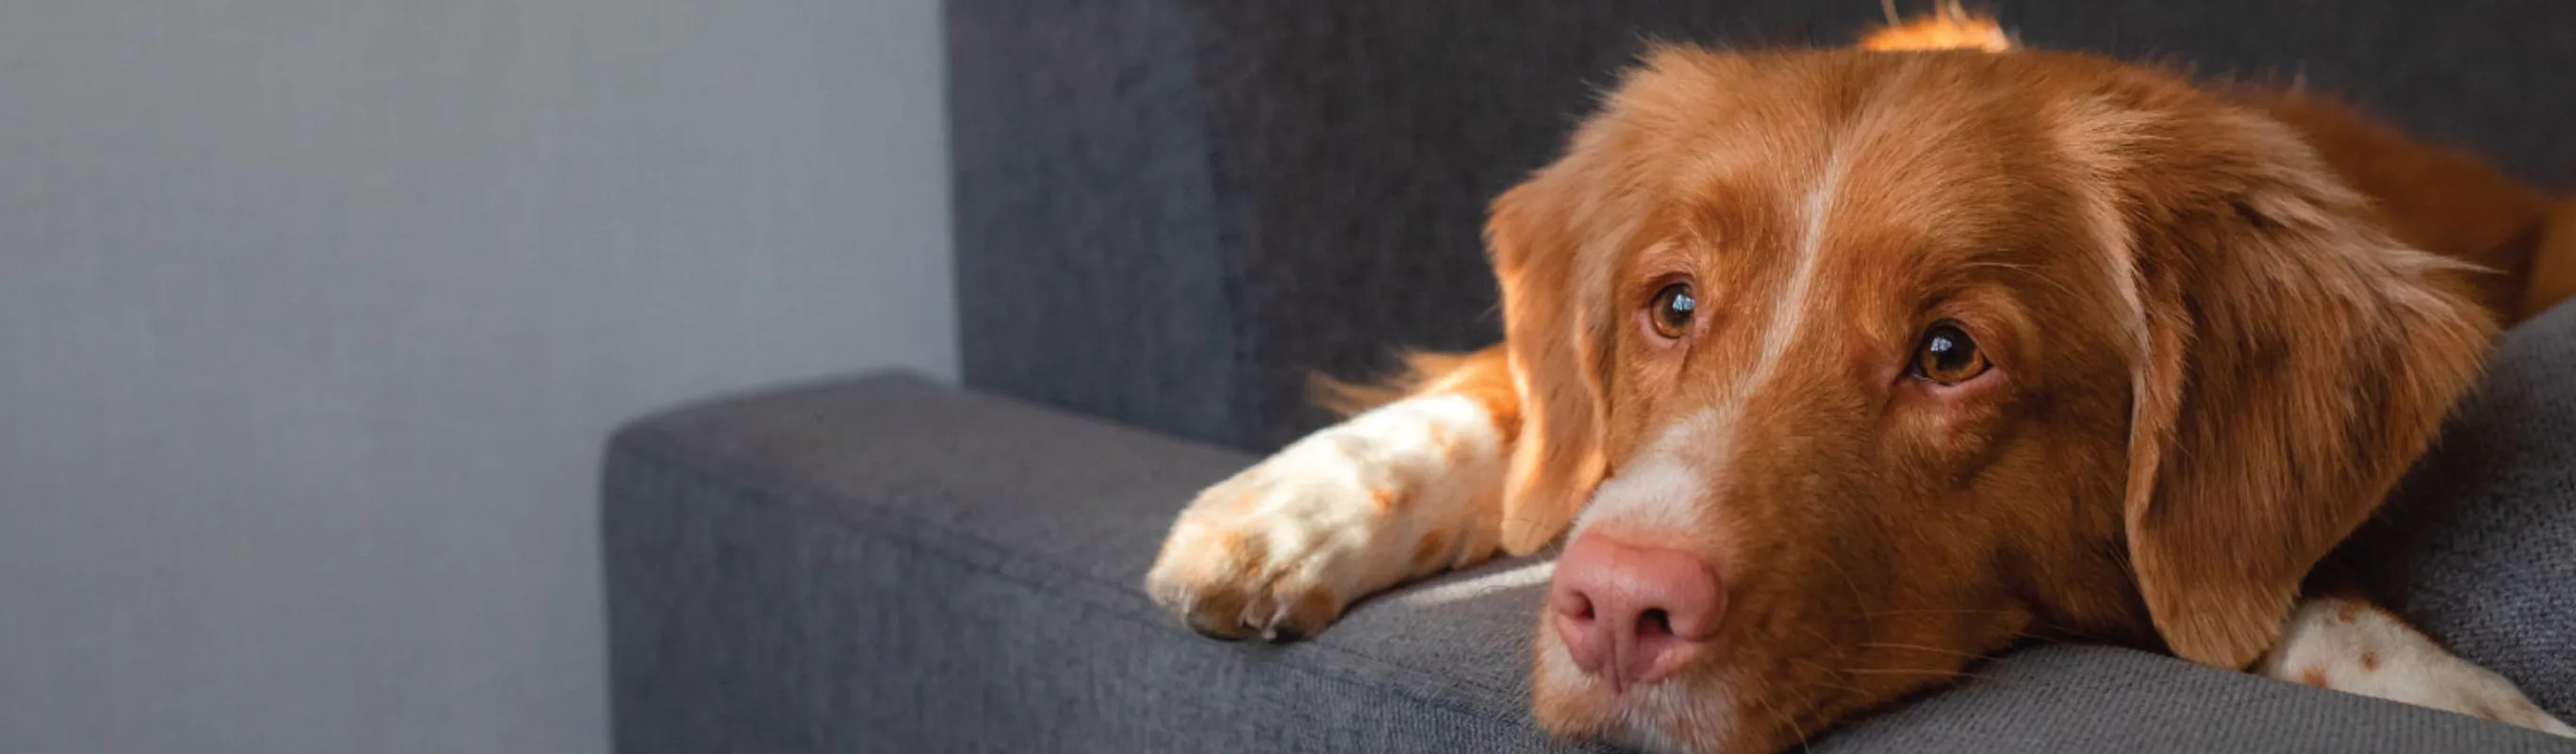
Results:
[1696, 711]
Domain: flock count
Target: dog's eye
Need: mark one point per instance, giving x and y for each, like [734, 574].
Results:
[1948, 356]
[1672, 309]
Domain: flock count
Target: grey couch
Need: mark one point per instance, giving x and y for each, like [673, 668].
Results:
[1169, 212]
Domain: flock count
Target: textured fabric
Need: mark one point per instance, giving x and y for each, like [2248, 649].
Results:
[2479, 545]
[885, 564]
[1083, 213]
[1236, 193]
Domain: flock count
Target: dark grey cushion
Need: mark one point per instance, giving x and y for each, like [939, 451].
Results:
[1170, 211]
[888, 564]
[2479, 545]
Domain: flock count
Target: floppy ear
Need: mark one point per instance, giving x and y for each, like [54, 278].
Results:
[1552, 241]
[2296, 362]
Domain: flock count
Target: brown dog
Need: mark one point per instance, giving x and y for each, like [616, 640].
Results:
[1837, 370]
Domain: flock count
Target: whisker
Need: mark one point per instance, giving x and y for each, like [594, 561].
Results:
[1960, 610]
[2061, 637]
[1830, 671]
[1979, 677]
[1821, 638]
[1794, 728]
[1868, 625]
[1921, 648]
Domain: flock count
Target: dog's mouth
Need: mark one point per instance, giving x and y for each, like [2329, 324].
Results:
[1710, 706]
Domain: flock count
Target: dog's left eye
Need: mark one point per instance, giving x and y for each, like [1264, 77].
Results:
[1671, 311]
[1947, 356]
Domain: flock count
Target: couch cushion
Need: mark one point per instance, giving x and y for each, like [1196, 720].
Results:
[2479, 545]
[890, 564]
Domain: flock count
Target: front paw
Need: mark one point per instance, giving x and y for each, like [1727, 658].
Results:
[1277, 551]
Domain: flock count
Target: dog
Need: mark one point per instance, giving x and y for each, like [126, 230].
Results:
[1835, 370]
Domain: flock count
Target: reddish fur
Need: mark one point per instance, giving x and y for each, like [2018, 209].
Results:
[2161, 477]
[1952, 28]
[1432, 553]
[2553, 264]
[1239, 552]
[2430, 196]
[1311, 611]
[1385, 497]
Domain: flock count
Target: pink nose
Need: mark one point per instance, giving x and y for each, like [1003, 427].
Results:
[1631, 614]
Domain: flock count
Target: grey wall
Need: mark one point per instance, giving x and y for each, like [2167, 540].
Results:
[313, 314]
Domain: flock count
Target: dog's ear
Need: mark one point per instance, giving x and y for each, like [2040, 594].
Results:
[1553, 243]
[2295, 362]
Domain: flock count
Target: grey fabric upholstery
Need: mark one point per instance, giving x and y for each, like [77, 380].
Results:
[2479, 545]
[885, 564]
[1239, 192]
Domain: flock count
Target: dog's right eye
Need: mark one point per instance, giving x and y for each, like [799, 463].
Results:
[1672, 310]
[1947, 356]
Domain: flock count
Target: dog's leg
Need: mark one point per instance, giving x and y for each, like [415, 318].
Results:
[1401, 491]
[2345, 643]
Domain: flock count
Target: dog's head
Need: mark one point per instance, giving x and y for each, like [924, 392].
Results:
[1870, 363]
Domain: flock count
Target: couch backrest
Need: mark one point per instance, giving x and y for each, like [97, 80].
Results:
[1170, 212]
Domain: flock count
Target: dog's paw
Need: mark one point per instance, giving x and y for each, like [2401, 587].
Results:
[2352, 646]
[1279, 550]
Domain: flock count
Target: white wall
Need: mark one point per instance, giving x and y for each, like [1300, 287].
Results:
[313, 314]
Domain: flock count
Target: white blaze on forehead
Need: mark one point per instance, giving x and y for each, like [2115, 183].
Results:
[1789, 311]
